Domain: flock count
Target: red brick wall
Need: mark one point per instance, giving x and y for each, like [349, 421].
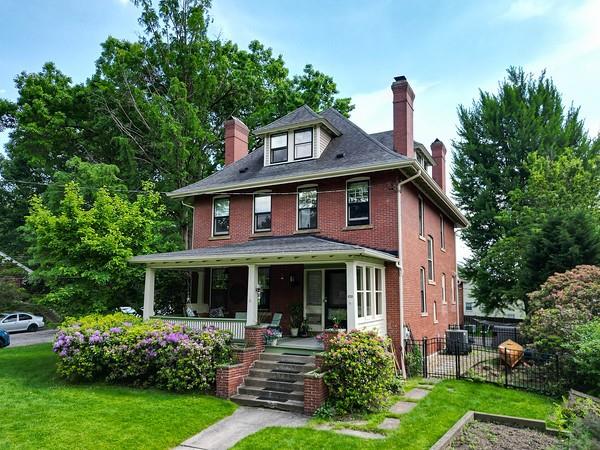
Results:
[415, 256]
[392, 304]
[331, 212]
[315, 392]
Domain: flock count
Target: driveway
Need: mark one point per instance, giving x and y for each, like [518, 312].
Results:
[38, 337]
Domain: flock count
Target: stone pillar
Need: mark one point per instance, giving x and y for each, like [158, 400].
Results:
[149, 293]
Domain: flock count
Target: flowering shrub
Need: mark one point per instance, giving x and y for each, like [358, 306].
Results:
[563, 302]
[359, 371]
[122, 349]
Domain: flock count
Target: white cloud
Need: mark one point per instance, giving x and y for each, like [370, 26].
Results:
[527, 9]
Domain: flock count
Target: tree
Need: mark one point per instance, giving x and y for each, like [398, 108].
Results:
[552, 225]
[154, 108]
[82, 250]
[496, 137]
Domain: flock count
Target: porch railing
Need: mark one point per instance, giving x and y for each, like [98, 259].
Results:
[236, 326]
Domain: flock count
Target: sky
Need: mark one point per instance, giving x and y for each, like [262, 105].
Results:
[448, 49]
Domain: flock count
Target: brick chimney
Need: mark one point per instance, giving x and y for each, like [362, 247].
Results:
[236, 140]
[438, 151]
[403, 117]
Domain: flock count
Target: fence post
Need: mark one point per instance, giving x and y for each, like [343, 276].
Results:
[425, 357]
[505, 367]
[457, 365]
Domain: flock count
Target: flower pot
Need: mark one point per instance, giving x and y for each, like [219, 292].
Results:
[294, 332]
[273, 342]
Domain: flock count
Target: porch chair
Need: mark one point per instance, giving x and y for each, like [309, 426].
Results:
[275, 322]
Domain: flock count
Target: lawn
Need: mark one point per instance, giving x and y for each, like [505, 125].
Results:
[38, 410]
[423, 426]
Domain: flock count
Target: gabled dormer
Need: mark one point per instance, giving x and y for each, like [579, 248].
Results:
[298, 136]
[424, 158]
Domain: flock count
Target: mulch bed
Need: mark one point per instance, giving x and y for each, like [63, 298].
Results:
[491, 436]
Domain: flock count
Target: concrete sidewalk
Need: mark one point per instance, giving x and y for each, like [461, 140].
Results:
[243, 422]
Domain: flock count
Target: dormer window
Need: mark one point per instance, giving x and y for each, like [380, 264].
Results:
[303, 143]
[279, 148]
[421, 160]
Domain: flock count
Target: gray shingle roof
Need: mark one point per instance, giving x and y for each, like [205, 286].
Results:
[359, 150]
[300, 115]
[303, 245]
[387, 139]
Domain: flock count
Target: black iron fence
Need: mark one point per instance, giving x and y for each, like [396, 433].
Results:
[480, 359]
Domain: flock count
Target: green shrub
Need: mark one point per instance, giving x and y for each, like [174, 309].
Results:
[121, 348]
[359, 371]
[582, 420]
[414, 361]
[585, 349]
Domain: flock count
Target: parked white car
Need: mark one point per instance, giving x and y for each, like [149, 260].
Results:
[20, 321]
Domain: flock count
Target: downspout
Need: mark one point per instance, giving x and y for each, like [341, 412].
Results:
[399, 265]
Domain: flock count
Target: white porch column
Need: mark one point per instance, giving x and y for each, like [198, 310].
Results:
[351, 313]
[252, 304]
[149, 293]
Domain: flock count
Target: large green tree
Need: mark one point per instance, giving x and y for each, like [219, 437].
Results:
[497, 135]
[81, 249]
[154, 107]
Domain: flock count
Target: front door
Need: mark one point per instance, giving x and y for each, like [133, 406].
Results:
[335, 298]
[325, 298]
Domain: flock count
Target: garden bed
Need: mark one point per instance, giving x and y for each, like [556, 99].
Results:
[496, 432]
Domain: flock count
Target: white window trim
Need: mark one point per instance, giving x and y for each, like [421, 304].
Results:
[444, 293]
[264, 192]
[431, 245]
[312, 143]
[373, 291]
[435, 315]
[421, 216]
[423, 288]
[453, 290]
[354, 180]
[442, 233]
[287, 136]
[300, 188]
[212, 226]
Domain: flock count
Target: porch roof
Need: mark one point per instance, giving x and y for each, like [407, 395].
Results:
[268, 249]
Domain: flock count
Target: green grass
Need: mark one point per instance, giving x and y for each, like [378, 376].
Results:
[39, 411]
[419, 429]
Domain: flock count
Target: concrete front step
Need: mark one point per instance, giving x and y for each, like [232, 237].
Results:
[279, 395]
[252, 400]
[291, 367]
[276, 376]
[296, 386]
[283, 357]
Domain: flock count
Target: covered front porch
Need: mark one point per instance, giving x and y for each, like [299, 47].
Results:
[279, 283]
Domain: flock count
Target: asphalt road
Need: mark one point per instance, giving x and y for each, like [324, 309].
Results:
[38, 337]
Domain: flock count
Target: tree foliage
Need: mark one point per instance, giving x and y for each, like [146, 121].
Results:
[154, 108]
[82, 250]
[521, 158]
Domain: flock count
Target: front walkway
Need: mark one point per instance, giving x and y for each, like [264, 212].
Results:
[243, 422]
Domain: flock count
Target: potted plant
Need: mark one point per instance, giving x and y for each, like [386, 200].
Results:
[304, 329]
[296, 318]
[271, 336]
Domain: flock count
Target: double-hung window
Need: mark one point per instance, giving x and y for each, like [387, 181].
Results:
[279, 148]
[221, 216]
[444, 288]
[442, 233]
[430, 268]
[421, 217]
[307, 208]
[303, 143]
[358, 202]
[262, 212]
[422, 286]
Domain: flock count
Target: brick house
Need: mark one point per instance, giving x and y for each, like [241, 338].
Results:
[356, 228]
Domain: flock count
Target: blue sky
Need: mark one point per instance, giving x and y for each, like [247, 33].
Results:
[447, 49]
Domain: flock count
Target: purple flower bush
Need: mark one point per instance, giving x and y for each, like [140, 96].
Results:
[120, 349]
